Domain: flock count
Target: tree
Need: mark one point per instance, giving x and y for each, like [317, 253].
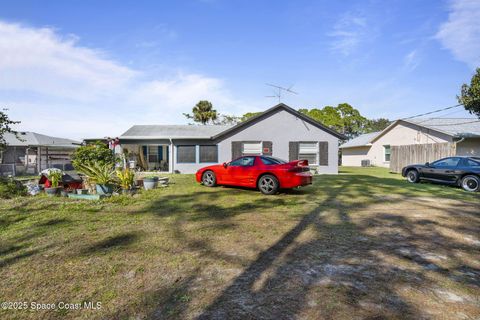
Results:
[375, 125]
[249, 115]
[225, 119]
[343, 118]
[5, 127]
[470, 95]
[203, 112]
[93, 153]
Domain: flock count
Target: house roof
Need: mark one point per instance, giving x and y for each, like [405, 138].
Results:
[32, 139]
[212, 132]
[172, 131]
[455, 127]
[361, 141]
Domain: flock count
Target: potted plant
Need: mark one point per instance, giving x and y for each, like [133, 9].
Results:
[150, 182]
[126, 178]
[102, 174]
[54, 176]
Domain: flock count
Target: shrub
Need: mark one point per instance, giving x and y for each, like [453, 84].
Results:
[97, 172]
[97, 152]
[126, 178]
[9, 188]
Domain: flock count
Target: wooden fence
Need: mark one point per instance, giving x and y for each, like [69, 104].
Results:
[419, 153]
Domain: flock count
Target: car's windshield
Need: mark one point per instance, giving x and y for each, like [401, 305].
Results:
[272, 160]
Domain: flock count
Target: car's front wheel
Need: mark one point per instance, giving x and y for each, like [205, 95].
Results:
[471, 183]
[209, 179]
[268, 184]
[413, 176]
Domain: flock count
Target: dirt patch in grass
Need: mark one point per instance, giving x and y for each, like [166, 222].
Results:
[363, 244]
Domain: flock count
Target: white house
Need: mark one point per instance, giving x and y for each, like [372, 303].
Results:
[375, 148]
[279, 131]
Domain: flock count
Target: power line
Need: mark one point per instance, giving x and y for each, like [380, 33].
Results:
[434, 111]
[452, 124]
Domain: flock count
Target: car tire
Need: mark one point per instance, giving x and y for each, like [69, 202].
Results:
[268, 184]
[470, 183]
[413, 176]
[209, 179]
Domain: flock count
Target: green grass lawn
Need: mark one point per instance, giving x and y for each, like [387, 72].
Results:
[363, 243]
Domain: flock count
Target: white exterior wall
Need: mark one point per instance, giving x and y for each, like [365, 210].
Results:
[353, 156]
[402, 134]
[281, 128]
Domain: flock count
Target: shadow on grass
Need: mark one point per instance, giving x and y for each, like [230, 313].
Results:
[342, 269]
[111, 243]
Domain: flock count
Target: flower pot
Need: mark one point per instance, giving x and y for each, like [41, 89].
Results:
[52, 192]
[82, 191]
[150, 183]
[104, 189]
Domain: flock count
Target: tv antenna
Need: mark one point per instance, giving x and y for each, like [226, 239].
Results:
[279, 90]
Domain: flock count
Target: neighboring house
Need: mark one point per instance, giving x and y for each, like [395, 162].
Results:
[34, 152]
[280, 132]
[375, 148]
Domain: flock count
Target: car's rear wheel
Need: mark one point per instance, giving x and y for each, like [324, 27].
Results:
[209, 179]
[268, 184]
[471, 183]
[413, 176]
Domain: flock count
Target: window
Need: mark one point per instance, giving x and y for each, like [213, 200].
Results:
[186, 154]
[272, 160]
[387, 153]
[253, 148]
[447, 162]
[471, 163]
[208, 154]
[243, 162]
[308, 151]
[153, 154]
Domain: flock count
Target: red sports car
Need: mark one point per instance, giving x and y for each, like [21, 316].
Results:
[266, 173]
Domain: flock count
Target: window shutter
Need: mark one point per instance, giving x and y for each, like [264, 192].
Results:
[144, 149]
[236, 149]
[168, 154]
[292, 150]
[160, 153]
[267, 145]
[323, 153]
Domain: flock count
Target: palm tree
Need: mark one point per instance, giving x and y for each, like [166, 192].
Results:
[203, 112]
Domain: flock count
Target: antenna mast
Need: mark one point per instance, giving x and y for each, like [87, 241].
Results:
[279, 90]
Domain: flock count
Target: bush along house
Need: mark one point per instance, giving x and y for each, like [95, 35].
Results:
[280, 132]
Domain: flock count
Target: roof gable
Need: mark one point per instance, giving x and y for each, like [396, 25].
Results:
[279, 107]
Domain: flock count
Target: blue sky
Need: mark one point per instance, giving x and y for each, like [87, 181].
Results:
[93, 68]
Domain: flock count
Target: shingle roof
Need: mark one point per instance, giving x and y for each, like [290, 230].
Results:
[456, 127]
[173, 131]
[360, 141]
[37, 139]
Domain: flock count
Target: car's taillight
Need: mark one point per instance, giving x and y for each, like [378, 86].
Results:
[299, 169]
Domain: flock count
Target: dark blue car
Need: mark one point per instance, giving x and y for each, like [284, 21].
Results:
[459, 171]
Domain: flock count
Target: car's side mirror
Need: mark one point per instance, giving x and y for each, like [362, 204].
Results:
[427, 164]
[225, 165]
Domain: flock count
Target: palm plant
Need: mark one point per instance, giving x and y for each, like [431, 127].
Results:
[126, 178]
[203, 112]
[99, 173]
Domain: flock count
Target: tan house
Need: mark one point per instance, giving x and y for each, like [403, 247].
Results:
[375, 148]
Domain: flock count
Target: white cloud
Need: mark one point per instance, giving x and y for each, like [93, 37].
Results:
[56, 86]
[348, 33]
[461, 32]
[411, 60]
